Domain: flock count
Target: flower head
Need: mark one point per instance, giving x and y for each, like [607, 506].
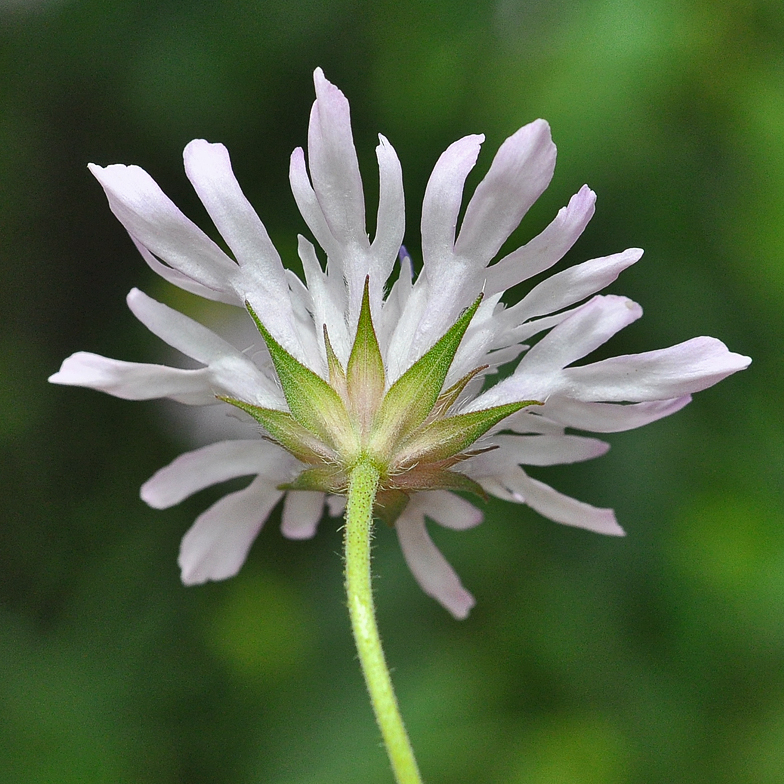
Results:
[352, 364]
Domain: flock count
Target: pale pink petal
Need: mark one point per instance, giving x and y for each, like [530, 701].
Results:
[545, 450]
[531, 421]
[431, 570]
[547, 248]
[208, 167]
[332, 160]
[391, 216]
[573, 285]
[218, 542]
[395, 304]
[540, 372]
[302, 512]
[441, 205]
[401, 351]
[500, 356]
[481, 335]
[308, 204]
[230, 371]
[554, 505]
[535, 326]
[304, 327]
[263, 282]
[329, 301]
[449, 510]
[135, 381]
[520, 172]
[584, 331]
[451, 282]
[152, 219]
[610, 417]
[177, 278]
[680, 370]
[193, 471]
[180, 332]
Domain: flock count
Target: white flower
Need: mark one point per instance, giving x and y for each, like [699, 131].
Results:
[406, 318]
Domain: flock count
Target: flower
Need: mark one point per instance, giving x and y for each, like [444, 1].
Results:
[352, 361]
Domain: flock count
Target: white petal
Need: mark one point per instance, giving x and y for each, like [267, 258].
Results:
[333, 164]
[556, 506]
[152, 218]
[441, 205]
[180, 332]
[402, 353]
[573, 285]
[230, 371]
[302, 511]
[546, 450]
[302, 308]
[208, 167]
[520, 172]
[308, 204]
[453, 281]
[530, 421]
[610, 417]
[218, 542]
[498, 357]
[546, 249]
[479, 337]
[540, 372]
[193, 471]
[135, 381]
[671, 372]
[329, 302]
[535, 326]
[584, 331]
[263, 280]
[177, 278]
[391, 216]
[449, 510]
[395, 304]
[431, 570]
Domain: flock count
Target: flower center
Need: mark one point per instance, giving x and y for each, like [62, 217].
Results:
[405, 431]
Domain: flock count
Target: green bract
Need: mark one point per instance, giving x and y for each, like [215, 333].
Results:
[405, 431]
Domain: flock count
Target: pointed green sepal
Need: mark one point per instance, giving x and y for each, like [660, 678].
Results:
[324, 479]
[444, 438]
[286, 431]
[412, 397]
[365, 371]
[449, 397]
[435, 479]
[390, 505]
[337, 376]
[312, 401]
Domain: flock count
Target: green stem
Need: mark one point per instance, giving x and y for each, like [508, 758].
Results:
[359, 523]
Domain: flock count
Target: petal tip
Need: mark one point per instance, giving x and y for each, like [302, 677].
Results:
[460, 605]
[150, 494]
[298, 534]
[133, 296]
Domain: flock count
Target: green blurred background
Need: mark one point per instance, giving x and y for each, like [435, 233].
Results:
[654, 659]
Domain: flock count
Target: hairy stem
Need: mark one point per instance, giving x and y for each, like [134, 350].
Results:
[359, 523]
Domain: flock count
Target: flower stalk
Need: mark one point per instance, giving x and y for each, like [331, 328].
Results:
[363, 484]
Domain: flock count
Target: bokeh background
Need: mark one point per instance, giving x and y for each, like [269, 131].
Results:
[653, 659]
